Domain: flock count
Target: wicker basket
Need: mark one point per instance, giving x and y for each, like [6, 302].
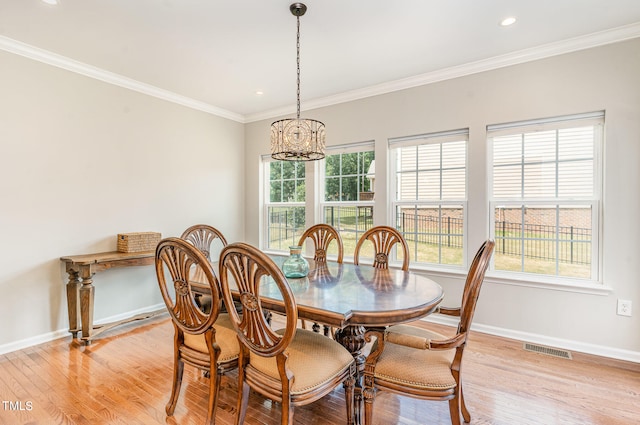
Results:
[138, 241]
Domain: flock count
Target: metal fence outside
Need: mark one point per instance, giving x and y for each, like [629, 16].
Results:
[353, 219]
[430, 230]
[285, 226]
[529, 240]
[573, 244]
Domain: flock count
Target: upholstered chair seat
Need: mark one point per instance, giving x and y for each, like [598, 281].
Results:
[409, 361]
[225, 337]
[314, 359]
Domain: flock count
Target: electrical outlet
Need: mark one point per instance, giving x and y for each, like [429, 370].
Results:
[624, 307]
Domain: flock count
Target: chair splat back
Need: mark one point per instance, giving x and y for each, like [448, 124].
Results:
[322, 236]
[473, 283]
[248, 266]
[202, 237]
[181, 260]
[383, 238]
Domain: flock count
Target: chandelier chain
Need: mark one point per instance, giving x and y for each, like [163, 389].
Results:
[298, 65]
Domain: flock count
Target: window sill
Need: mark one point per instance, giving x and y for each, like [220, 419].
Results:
[550, 282]
[541, 282]
[525, 280]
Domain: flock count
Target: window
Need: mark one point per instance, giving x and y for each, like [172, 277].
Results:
[430, 198]
[545, 195]
[285, 208]
[348, 182]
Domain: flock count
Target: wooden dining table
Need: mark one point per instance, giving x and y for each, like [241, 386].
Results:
[352, 298]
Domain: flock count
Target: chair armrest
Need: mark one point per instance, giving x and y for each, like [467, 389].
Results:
[377, 336]
[448, 344]
[449, 311]
[413, 341]
[422, 339]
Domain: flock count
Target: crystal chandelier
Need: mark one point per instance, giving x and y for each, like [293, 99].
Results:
[299, 139]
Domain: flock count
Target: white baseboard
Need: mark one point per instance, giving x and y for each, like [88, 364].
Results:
[61, 333]
[582, 347]
[598, 350]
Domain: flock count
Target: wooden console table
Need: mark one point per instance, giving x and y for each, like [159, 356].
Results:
[80, 289]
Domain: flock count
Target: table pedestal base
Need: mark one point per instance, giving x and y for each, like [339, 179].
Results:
[352, 338]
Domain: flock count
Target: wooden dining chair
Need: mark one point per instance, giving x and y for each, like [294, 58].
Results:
[203, 236]
[205, 340]
[419, 363]
[383, 238]
[291, 366]
[322, 235]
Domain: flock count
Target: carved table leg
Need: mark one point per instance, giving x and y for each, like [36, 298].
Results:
[73, 304]
[352, 338]
[86, 303]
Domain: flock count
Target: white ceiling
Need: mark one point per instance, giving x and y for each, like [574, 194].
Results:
[217, 53]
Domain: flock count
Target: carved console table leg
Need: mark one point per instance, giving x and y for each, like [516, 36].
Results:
[73, 300]
[352, 338]
[86, 303]
[80, 289]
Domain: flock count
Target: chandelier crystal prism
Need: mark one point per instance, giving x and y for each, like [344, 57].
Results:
[297, 139]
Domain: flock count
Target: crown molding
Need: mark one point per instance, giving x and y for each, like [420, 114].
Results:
[54, 59]
[527, 55]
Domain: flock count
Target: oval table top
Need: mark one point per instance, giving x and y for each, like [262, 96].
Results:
[356, 295]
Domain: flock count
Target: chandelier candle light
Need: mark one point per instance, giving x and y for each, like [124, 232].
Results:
[299, 139]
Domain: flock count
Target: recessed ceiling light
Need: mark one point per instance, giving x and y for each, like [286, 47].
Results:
[53, 2]
[508, 21]
[259, 92]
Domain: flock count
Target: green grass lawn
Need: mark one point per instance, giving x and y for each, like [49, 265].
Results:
[351, 222]
[428, 253]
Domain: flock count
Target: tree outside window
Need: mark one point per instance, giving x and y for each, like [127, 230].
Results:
[348, 193]
[285, 209]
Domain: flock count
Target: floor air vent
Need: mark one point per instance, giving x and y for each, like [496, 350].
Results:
[555, 352]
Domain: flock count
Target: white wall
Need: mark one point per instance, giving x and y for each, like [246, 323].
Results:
[81, 161]
[603, 78]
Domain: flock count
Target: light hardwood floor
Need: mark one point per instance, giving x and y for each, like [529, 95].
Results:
[125, 378]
